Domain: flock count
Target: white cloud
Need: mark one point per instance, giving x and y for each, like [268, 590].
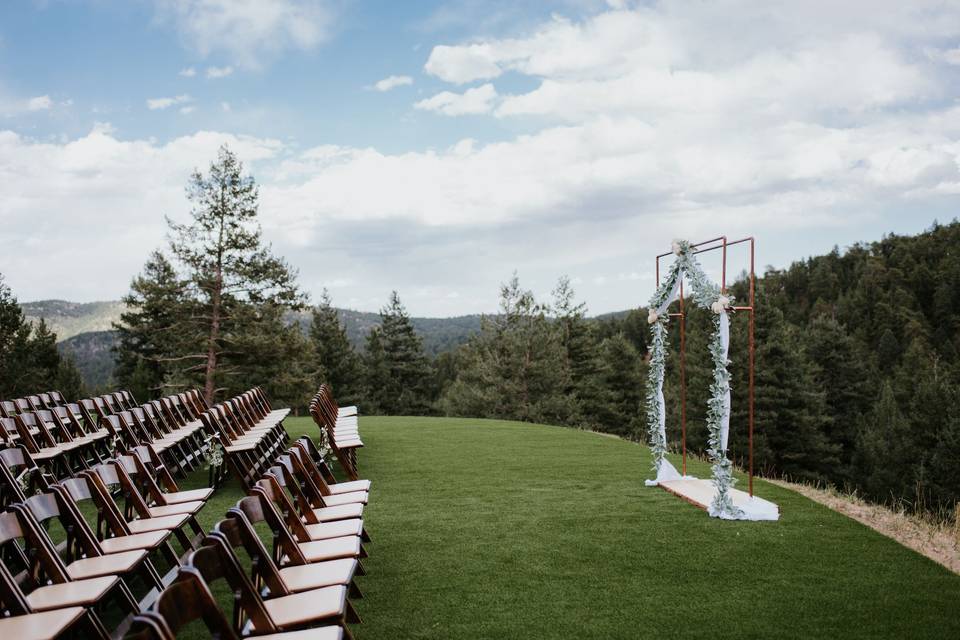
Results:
[219, 72]
[155, 104]
[392, 82]
[471, 102]
[248, 31]
[804, 124]
[463, 63]
[189, 72]
[187, 110]
[39, 103]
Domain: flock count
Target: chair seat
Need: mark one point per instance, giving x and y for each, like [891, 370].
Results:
[339, 512]
[65, 594]
[345, 547]
[47, 453]
[179, 497]
[299, 608]
[303, 577]
[335, 529]
[40, 626]
[347, 411]
[157, 524]
[347, 487]
[321, 633]
[358, 497]
[175, 509]
[108, 565]
[147, 540]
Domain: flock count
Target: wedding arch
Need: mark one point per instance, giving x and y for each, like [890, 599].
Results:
[718, 497]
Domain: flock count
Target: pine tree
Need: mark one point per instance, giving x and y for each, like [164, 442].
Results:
[516, 368]
[406, 388]
[376, 373]
[336, 361]
[839, 370]
[579, 344]
[613, 401]
[885, 458]
[151, 330]
[226, 263]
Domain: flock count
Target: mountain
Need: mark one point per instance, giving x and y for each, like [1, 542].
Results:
[85, 331]
[68, 319]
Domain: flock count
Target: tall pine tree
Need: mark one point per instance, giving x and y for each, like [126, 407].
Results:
[335, 359]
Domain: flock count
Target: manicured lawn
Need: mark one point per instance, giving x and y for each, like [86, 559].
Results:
[489, 529]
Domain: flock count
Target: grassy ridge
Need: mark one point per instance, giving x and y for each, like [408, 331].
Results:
[489, 529]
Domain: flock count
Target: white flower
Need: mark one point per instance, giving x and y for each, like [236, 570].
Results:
[720, 305]
[652, 316]
[677, 246]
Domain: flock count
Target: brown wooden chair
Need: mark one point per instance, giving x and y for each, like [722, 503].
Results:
[81, 554]
[316, 485]
[135, 513]
[189, 599]
[215, 560]
[336, 486]
[110, 528]
[237, 531]
[287, 495]
[58, 460]
[33, 579]
[293, 537]
[70, 622]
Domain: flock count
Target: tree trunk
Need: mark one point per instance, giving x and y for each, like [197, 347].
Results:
[211, 368]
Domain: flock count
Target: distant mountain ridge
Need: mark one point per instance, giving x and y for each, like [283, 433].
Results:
[85, 331]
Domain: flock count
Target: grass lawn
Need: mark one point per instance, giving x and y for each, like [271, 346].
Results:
[490, 529]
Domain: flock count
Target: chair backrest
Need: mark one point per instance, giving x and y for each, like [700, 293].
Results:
[185, 600]
[46, 401]
[88, 486]
[238, 533]
[57, 398]
[45, 508]
[213, 561]
[8, 408]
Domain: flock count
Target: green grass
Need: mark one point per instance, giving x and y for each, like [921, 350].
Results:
[490, 529]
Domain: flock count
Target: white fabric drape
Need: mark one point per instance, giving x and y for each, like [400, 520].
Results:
[725, 346]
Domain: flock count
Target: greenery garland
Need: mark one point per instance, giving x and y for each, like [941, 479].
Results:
[708, 295]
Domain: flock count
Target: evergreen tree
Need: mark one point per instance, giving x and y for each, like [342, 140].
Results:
[516, 368]
[408, 382]
[613, 401]
[376, 373]
[336, 361]
[884, 453]
[579, 344]
[150, 331]
[227, 265]
[839, 369]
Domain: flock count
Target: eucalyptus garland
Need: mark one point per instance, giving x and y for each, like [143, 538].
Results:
[708, 295]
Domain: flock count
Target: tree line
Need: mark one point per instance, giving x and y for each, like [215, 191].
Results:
[857, 365]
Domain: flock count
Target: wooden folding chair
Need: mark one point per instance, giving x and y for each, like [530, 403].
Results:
[70, 622]
[239, 534]
[308, 445]
[33, 579]
[189, 599]
[59, 460]
[135, 512]
[81, 554]
[111, 528]
[293, 535]
[279, 481]
[215, 560]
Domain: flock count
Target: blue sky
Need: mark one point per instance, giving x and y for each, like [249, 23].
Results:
[436, 147]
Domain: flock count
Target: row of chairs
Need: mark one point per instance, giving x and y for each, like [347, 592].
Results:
[339, 429]
[68, 437]
[116, 518]
[301, 588]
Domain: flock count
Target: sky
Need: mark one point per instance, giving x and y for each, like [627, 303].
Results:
[435, 148]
